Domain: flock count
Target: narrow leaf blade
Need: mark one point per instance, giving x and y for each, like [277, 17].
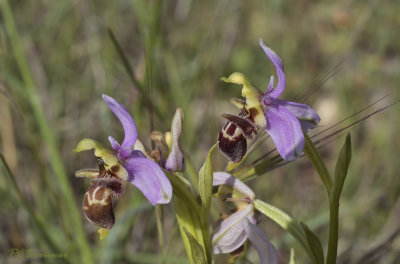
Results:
[289, 224]
[205, 191]
[314, 243]
[313, 155]
[342, 166]
[187, 220]
[206, 182]
[188, 212]
[198, 256]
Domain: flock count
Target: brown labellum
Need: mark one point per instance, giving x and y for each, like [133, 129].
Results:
[232, 137]
[97, 205]
[232, 142]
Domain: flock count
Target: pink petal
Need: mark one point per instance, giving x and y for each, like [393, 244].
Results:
[307, 116]
[128, 123]
[114, 144]
[175, 161]
[149, 178]
[265, 249]
[230, 234]
[285, 130]
[220, 178]
[275, 93]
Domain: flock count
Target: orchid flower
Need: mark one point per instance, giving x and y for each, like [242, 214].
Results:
[117, 165]
[240, 225]
[282, 120]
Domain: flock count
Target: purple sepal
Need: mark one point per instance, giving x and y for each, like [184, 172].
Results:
[114, 144]
[127, 123]
[230, 234]
[266, 251]
[274, 93]
[224, 178]
[149, 178]
[285, 130]
[302, 111]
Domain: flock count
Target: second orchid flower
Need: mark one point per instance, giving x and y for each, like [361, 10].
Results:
[240, 224]
[282, 120]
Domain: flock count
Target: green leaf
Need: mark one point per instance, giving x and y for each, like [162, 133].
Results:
[188, 219]
[205, 191]
[342, 165]
[289, 224]
[313, 155]
[206, 182]
[197, 250]
[314, 243]
[188, 213]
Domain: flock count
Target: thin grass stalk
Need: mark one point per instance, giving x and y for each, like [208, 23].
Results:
[41, 226]
[129, 70]
[74, 220]
[160, 229]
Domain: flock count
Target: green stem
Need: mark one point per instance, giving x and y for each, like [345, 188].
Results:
[125, 62]
[333, 232]
[160, 230]
[315, 158]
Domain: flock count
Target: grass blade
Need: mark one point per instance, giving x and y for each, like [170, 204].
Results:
[48, 137]
[41, 226]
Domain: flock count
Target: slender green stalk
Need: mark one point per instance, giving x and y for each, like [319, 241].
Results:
[334, 188]
[342, 166]
[160, 230]
[125, 62]
[245, 174]
[47, 135]
[128, 68]
[333, 232]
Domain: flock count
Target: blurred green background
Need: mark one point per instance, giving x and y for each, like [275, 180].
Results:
[57, 58]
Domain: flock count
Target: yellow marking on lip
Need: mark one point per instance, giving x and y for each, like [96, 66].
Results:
[238, 132]
[103, 202]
